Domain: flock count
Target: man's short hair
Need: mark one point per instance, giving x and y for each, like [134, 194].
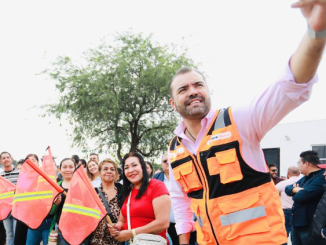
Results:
[92, 154]
[183, 70]
[4, 152]
[310, 157]
[271, 165]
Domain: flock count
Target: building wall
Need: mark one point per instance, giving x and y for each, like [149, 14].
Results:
[293, 138]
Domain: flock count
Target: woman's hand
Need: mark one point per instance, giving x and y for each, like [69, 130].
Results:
[57, 200]
[114, 229]
[123, 236]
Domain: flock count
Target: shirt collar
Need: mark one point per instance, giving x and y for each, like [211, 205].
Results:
[182, 126]
[315, 173]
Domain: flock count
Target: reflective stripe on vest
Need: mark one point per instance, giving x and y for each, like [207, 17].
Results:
[72, 208]
[243, 215]
[41, 179]
[219, 123]
[7, 195]
[28, 196]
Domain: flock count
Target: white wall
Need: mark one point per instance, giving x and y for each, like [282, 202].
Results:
[293, 138]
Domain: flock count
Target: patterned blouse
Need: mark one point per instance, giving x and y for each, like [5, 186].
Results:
[101, 236]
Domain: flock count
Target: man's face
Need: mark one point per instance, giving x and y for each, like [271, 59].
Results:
[273, 171]
[190, 96]
[94, 158]
[6, 160]
[165, 163]
[302, 166]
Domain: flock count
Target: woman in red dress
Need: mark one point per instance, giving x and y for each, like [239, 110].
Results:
[149, 202]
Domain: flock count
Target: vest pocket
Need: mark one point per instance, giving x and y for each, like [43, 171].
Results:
[187, 176]
[243, 215]
[229, 166]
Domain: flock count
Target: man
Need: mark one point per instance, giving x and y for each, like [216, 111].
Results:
[11, 174]
[217, 167]
[287, 202]
[306, 194]
[94, 157]
[273, 172]
[318, 227]
[164, 176]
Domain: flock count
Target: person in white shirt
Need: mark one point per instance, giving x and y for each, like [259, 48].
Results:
[287, 202]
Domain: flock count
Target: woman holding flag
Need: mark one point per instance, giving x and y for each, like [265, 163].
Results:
[110, 195]
[149, 202]
[67, 167]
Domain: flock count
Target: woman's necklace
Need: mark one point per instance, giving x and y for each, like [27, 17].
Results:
[190, 134]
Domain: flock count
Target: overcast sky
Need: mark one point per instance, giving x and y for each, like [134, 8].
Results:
[242, 46]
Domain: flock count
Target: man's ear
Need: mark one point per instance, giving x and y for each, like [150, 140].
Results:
[172, 104]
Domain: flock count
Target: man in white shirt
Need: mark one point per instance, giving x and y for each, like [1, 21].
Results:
[287, 202]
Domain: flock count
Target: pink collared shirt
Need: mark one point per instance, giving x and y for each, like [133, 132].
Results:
[253, 120]
[286, 200]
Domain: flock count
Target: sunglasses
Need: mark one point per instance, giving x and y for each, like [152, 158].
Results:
[274, 170]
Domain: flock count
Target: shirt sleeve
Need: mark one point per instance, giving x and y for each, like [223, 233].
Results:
[313, 191]
[268, 109]
[280, 187]
[159, 189]
[181, 206]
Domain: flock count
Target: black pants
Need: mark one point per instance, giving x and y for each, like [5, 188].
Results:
[173, 234]
[20, 233]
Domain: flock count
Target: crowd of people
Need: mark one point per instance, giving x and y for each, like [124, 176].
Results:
[151, 193]
[134, 177]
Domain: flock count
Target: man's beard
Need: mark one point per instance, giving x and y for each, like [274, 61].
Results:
[195, 112]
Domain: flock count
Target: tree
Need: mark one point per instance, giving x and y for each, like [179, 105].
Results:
[119, 97]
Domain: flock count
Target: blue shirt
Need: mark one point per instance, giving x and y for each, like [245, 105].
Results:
[306, 200]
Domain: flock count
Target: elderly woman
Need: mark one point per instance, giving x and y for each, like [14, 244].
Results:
[149, 195]
[112, 193]
[92, 171]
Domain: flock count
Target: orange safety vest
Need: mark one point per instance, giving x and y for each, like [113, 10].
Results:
[234, 204]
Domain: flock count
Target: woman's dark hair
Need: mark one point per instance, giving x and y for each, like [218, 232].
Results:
[65, 159]
[83, 161]
[151, 166]
[75, 158]
[32, 155]
[127, 186]
[120, 174]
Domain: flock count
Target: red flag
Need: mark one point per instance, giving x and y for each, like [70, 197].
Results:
[34, 197]
[7, 192]
[48, 166]
[82, 210]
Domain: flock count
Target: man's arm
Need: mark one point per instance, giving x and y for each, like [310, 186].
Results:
[184, 238]
[181, 209]
[305, 60]
[312, 191]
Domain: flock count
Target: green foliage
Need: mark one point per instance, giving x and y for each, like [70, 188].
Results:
[119, 97]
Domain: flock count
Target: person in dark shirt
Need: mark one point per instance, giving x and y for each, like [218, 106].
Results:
[273, 171]
[306, 194]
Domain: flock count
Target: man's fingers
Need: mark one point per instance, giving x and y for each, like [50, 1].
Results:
[305, 3]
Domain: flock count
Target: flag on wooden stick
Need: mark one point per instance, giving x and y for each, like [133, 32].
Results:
[82, 210]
